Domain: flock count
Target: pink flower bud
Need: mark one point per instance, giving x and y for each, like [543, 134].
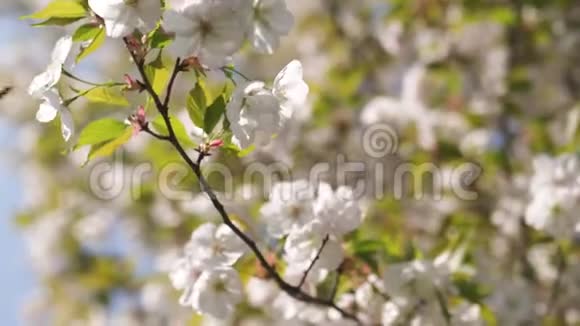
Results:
[216, 143]
[132, 84]
[138, 120]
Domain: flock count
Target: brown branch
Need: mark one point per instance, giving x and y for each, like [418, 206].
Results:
[561, 267]
[148, 130]
[293, 291]
[316, 258]
[174, 74]
[334, 290]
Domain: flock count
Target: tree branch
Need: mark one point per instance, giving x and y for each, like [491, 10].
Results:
[558, 281]
[176, 71]
[293, 291]
[307, 271]
[336, 283]
[154, 134]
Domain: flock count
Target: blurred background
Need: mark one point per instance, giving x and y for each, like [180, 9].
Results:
[495, 83]
[18, 280]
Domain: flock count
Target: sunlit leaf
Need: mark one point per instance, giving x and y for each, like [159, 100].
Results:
[60, 9]
[96, 43]
[180, 132]
[100, 131]
[107, 148]
[86, 32]
[197, 104]
[158, 74]
[57, 22]
[106, 95]
[213, 114]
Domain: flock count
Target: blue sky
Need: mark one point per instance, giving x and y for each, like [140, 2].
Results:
[17, 280]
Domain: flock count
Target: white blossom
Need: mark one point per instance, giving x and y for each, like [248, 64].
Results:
[405, 110]
[50, 107]
[261, 292]
[290, 88]
[512, 302]
[408, 284]
[44, 243]
[555, 192]
[257, 113]
[92, 229]
[370, 301]
[210, 30]
[303, 245]
[217, 292]
[62, 57]
[290, 206]
[432, 45]
[122, 17]
[183, 276]
[213, 246]
[467, 315]
[271, 20]
[338, 210]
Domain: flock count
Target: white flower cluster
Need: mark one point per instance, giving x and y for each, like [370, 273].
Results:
[310, 219]
[211, 30]
[308, 216]
[555, 195]
[205, 274]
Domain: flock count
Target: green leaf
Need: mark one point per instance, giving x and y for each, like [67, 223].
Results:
[106, 95]
[96, 43]
[109, 147]
[470, 289]
[246, 151]
[158, 74]
[59, 9]
[180, 132]
[101, 131]
[197, 104]
[158, 38]
[213, 114]
[55, 21]
[86, 32]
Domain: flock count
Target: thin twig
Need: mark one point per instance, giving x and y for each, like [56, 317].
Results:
[558, 282]
[154, 134]
[70, 75]
[380, 292]
[227, 69]
[443, 306]
[336, 283]
[291, 290]
[176, 71]
[316, 258]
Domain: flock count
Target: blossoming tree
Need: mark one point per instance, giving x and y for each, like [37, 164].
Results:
[454, 87]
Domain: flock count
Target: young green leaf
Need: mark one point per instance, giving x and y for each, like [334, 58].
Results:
[180, 132]
[59, 9]
[158, 38]
[86, 32]
[213, 114]
[96, 43]
[109, 147]
[158, 74]
[197, 104]
[101, 131]
[56, 22]
[106, 95]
